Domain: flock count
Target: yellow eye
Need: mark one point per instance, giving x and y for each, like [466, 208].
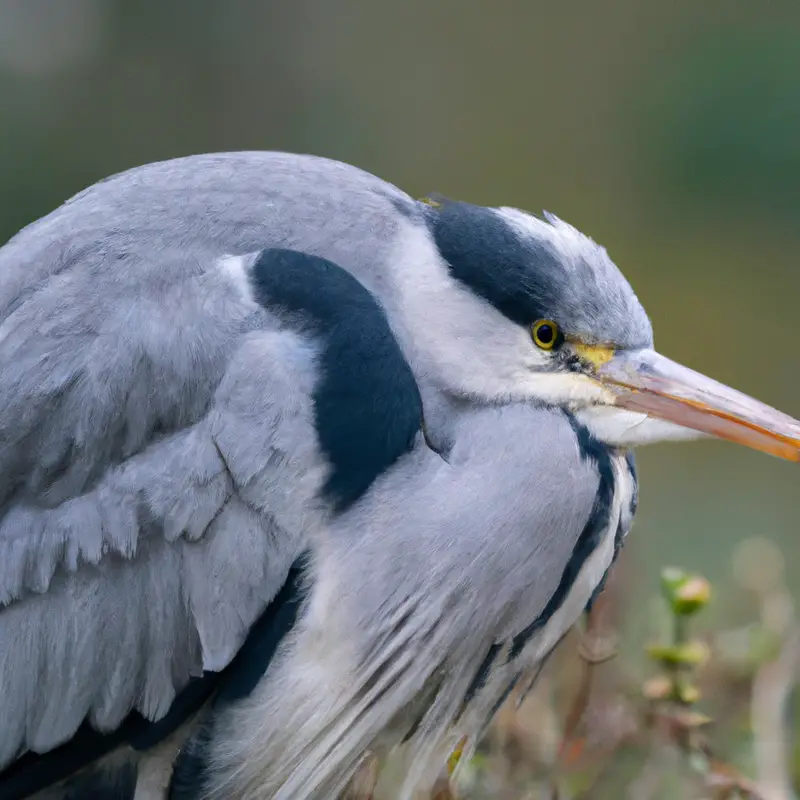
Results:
[546, 334]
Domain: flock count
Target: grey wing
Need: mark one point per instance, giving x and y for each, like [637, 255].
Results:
[157, 459]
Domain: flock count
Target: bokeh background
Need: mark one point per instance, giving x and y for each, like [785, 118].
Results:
[670, 132]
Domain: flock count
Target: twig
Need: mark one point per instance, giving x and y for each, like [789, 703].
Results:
[597, 646]
[772, 689]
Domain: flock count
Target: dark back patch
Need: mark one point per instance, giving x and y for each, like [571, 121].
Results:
[191, 772]
[34, 772]
[367, 403]
[258, 650]
[520, 276]
[109, 782]
[600, 454]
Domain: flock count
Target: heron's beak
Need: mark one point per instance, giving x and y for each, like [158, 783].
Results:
[651, 384]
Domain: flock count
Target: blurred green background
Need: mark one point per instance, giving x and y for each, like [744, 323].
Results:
[667, 131]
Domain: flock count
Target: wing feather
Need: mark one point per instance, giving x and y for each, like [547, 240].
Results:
[158, 466]
[148, 518]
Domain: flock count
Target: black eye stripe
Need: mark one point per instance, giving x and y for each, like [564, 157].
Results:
[522, 277]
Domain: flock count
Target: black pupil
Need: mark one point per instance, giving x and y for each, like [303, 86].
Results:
[545, 334]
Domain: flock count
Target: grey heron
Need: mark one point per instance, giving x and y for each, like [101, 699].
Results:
[295, 467]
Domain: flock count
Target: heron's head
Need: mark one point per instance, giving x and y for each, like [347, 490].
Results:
[530, 309]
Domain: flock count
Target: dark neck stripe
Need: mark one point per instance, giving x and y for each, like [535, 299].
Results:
[367, 403]
[599, 518]
[521, 277]
[481, 676]
[630, 460]
[498, 704]
[622, 529]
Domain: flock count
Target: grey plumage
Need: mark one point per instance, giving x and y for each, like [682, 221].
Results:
[427, 570]
[147, 410]
[166, 454]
